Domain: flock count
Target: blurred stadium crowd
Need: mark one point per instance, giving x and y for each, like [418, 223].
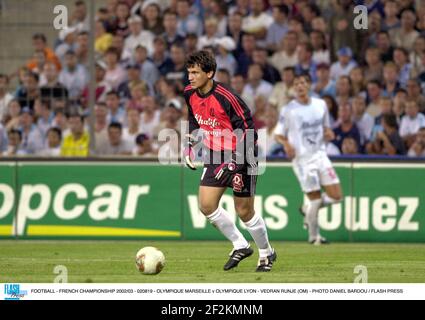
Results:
[373, 79]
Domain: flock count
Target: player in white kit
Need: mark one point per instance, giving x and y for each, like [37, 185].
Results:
[303, 130]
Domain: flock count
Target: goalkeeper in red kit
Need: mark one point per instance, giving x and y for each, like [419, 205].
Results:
[229, 142]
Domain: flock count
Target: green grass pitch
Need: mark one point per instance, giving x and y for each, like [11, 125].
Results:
[202, 262]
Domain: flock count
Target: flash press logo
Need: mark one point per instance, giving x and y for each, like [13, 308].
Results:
[13, 292]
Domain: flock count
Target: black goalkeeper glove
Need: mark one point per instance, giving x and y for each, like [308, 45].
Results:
[227, 170]
[189, 155]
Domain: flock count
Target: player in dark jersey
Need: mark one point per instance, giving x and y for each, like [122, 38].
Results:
[229, 142]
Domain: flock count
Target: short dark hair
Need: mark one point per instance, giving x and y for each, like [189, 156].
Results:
[391, 120]
[57, 130]
[113, 93]
[116, 125]
[39, 36]
[204, 60]
[15, 131]
[3, 76]
[305, 76]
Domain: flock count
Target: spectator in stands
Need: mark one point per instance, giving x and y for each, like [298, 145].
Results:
[50, 87]
[133, 128]
[102, 87]
[79, 17]
[363, 120]
[187, 22]
[418, 147]
[223, 76]
[190, 43]
[383, 43]
[374, 93]
[150, 117]
[144, 147]
[344, 64]
[178, 72]
[321, 53]
[138, 37]
[244, 58]
[73, 76]
[387, 142]
[401, 59]
[160, 56]
[405, 35]
[324, 84]
[116, 112]
[68, 38]
[12, 117]
[344, 90]
[14, 146]
[346, 127]
[358, 84]
[60, 121]
[44, 116]
[259, 115]
[341, 30]
[267, 144]
[152, 20]
[5, 96]
[374, 67]
[234, 30]
[414, 93]
[115, 74]
[283, 92]
[122, 13]
[100, 126]
[39, 43]
[210, 36]
[256, 86]
[270, 73]
[278, 28]
[77, 142]
[287, 56]
[332, 109]
[103, 39]
[82, 50]
[32, 138]
[53, 145]
[149, 72]
[29, 91]
[390, 84]
[411, 122]
[349, 146]
[238, 84]
[171, 33]
[384, 106]
[133, 80]
[391, 20]
[116, 145]
[171, 119]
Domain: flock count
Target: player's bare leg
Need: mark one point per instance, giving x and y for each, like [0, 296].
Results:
[332, 194]
[209, 200]
[257, 228]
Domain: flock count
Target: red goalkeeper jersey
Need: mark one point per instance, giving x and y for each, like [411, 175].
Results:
[219, 113]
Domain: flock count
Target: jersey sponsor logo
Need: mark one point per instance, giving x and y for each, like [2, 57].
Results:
[213, 123]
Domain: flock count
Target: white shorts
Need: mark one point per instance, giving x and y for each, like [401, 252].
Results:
[314, 173]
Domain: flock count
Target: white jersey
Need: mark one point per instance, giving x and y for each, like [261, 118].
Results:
[303, 126]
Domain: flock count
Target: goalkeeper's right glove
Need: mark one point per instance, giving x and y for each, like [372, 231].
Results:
[189, 155]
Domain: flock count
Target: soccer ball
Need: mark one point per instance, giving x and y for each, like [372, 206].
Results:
[150, 260]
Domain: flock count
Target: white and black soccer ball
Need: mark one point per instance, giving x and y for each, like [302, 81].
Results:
[150, 260]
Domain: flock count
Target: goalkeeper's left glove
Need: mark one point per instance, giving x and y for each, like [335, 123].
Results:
[189, 155]
[227, 170]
